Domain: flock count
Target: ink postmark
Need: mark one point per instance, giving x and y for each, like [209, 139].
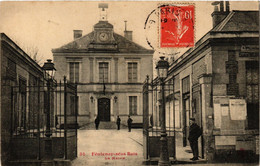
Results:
[170, 26]
[177, 26]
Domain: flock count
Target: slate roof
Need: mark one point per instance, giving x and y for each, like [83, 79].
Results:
[239, 21]
[82, 44]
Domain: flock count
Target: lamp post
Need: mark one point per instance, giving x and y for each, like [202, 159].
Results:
[162, 70]
[49, 69]
[115, 99]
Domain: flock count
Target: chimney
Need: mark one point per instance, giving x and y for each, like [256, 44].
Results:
[219, 15]
[128, 34]
[227, 6]
[221, 6]
[77, 34]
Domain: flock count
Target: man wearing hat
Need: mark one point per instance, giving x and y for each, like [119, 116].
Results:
[194, 133]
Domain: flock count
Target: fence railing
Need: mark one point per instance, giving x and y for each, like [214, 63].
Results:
[152, 105]
[29, 111]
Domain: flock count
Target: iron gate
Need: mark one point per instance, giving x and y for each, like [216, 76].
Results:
[29, 116]
[151, 117]
[179, 107]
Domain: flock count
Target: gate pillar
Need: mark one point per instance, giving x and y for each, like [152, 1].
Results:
[205, 81]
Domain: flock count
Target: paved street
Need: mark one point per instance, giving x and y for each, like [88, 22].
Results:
[109, 147]
[120, 148]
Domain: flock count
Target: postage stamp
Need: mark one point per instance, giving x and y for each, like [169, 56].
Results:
[177, 26]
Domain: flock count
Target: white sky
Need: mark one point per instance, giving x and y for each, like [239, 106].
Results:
[48, 25]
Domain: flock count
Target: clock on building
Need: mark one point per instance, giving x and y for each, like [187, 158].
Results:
[103, 36]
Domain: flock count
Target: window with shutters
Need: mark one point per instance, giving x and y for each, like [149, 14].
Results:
[132, 72]
[103, 72]
[74, 71]
[132, 105]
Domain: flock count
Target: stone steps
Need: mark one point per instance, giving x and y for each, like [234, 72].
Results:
[103, 125]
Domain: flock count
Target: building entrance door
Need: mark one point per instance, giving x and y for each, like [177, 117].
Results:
[104, 109]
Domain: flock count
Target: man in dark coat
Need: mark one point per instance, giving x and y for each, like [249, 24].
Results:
[129, 122]
[194, 133]
[118, 120]
[97, 122]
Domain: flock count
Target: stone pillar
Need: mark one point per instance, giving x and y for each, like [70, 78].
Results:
[91, 69]
[205, 81]
[116, 69]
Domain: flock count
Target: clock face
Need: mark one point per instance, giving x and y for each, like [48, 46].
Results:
[103, 36]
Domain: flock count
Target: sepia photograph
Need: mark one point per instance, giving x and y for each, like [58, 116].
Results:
[129, 83]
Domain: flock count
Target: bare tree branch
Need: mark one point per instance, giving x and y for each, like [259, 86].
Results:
[32, 51]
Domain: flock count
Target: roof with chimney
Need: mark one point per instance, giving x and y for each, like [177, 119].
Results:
[83, 43]
[90, 44]
[239, 21]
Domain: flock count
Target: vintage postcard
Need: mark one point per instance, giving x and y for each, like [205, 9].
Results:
[129, 83]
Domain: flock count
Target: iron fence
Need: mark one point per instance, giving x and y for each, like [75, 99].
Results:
[152, 106]
[29, 110]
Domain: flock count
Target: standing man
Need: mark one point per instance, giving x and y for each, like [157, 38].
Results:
[118, 120]
[97, 122]
[194, 133]
[129, 122]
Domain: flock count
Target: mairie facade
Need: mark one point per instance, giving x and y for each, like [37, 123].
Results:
[109, 70]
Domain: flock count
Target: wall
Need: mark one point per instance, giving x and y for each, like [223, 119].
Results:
[232, 137]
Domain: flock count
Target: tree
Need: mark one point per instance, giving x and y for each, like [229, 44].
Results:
[32, 51]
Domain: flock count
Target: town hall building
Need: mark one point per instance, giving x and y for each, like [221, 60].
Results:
[109, 69]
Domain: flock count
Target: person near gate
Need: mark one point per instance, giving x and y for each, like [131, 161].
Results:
[129, 123]
[194, 133]
[118, 120]
[97, 122]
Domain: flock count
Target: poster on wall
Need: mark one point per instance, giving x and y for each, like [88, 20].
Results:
[237, 109]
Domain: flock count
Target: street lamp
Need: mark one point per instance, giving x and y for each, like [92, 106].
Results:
[49, 68]
[49, 71]
[115, 99]
[92, 99]
[162, 71]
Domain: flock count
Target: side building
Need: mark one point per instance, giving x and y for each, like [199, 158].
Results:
[20, 112]
[217, 83]
[29, 112]
[109, 70]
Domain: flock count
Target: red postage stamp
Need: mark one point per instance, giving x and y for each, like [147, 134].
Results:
[177, 26]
